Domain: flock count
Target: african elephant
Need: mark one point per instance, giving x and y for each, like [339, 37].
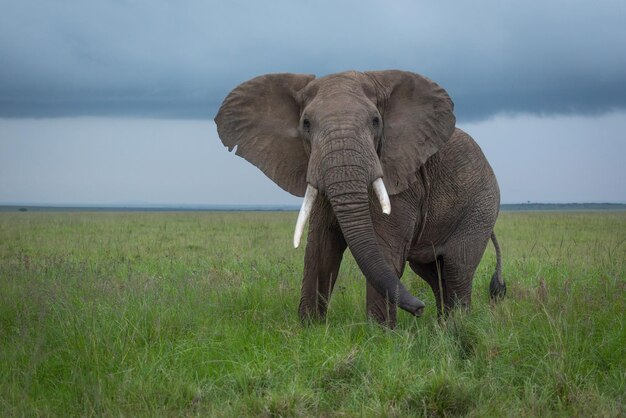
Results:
[383, 170]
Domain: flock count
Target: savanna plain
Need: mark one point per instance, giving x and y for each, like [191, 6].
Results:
[195, 314]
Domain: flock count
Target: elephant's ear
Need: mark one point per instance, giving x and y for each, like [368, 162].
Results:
[260, 117]
[417, 121]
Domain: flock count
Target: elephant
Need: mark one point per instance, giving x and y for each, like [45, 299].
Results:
[384, 171]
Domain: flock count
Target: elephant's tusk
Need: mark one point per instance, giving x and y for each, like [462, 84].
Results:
[305, 212]
[383, 197]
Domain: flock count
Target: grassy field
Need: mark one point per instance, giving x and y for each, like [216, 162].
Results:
[183, 314]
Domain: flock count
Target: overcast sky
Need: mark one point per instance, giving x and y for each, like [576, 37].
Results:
[112, 101]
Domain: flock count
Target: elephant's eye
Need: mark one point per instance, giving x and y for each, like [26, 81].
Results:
[306, 125]
[376, 122]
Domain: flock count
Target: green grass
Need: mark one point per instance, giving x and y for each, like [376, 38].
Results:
[144, 314]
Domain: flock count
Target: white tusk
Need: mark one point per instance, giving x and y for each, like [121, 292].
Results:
[305, 212]
[383, 197]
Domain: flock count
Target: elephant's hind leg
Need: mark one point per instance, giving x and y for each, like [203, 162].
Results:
[460, 261]
[451, 275]
[432, 273]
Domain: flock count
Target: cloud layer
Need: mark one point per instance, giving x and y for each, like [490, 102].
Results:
[169, 59]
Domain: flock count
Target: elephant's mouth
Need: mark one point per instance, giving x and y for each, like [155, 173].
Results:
[311, 194]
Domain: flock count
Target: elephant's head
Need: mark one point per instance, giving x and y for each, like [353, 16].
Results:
[342, 135]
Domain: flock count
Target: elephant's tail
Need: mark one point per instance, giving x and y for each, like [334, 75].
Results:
[497, 287]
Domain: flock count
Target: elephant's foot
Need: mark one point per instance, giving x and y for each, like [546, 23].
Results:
[311, 313]
[387, 320]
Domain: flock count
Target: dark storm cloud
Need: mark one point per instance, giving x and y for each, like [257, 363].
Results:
[179, 59]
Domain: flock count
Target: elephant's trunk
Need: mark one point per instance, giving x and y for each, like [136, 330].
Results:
[346, 181]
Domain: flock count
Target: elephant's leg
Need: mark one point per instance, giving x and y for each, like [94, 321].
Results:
[324, 251]
[432, 273]
[458, 284]
[394, 232]
[379, 309]
[459, 265]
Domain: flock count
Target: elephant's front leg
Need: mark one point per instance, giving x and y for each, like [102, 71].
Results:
[379, 309]
[324, 251]
[394, 233]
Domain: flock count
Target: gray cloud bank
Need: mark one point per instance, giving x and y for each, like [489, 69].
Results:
[171, 59]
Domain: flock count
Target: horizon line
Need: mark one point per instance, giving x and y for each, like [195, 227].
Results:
[239, 207]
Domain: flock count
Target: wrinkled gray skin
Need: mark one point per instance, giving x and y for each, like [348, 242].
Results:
[341, 132]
